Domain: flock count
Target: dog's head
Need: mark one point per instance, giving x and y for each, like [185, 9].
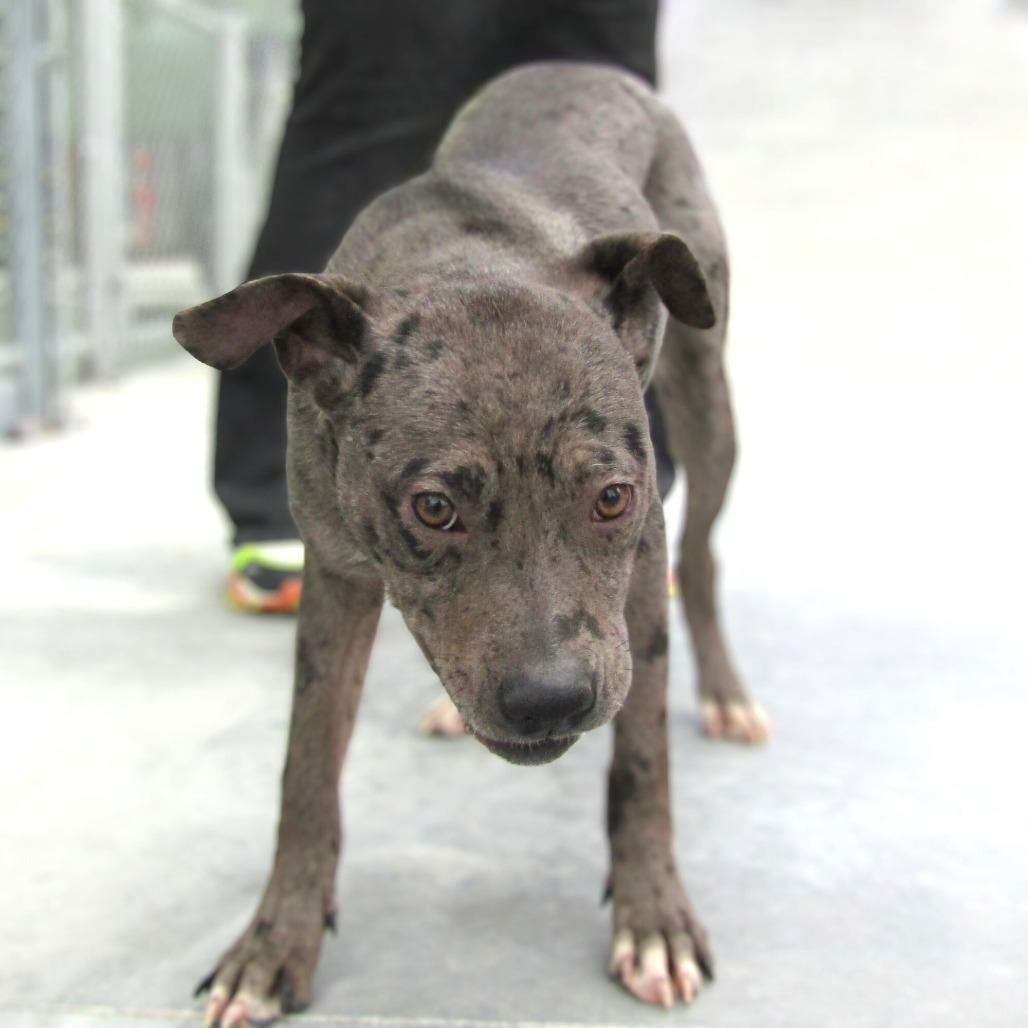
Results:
[491, 459]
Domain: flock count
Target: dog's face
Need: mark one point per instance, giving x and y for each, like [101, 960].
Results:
[485, 446]
[500, 471]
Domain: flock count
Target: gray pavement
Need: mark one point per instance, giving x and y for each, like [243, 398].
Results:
[867, 868]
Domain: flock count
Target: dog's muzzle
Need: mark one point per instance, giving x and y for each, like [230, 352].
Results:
[543, 708]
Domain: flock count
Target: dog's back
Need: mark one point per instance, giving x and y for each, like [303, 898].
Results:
[543, 159]
[580, 138]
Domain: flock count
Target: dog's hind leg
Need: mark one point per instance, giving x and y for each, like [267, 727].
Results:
[694, 398]
[268, 970]
[697, 412]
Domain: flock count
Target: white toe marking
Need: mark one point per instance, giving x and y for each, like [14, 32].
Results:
[442, 718]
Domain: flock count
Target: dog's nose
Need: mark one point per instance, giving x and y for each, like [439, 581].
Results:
[546, 698]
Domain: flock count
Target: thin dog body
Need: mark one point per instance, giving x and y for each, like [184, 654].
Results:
[467, 436]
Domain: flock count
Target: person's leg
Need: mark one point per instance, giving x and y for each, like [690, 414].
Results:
[618, 32]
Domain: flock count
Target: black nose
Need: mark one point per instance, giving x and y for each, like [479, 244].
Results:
[546, 698]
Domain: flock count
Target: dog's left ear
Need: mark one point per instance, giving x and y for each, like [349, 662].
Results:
[317, 323]
[641, 267]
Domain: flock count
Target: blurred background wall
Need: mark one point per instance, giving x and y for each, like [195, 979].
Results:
[136, 138]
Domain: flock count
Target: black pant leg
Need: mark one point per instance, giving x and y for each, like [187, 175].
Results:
[618, 32]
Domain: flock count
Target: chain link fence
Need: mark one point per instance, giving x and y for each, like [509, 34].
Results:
[136, 138]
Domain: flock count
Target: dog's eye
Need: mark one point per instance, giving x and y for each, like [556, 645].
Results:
[612, 502]
[435, 510]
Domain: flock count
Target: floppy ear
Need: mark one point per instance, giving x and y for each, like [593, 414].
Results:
[315, 321]
[642, 267]
[635, 260]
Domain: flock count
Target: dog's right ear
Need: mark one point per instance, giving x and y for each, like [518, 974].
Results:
[640, 274]
[317, 323]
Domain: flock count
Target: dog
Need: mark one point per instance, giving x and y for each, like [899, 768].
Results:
[467, 436]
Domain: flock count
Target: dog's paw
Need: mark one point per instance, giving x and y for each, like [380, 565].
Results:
[242, 1010]
[442, 719]
[660, 949]
[268, 971]
[735, 720]
[657, 968]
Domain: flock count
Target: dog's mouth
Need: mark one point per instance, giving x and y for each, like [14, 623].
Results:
[538, 751]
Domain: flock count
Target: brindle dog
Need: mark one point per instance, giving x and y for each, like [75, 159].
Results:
[467, 435]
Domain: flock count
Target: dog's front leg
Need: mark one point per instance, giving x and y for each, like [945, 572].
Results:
[659, 948]
[268, 970]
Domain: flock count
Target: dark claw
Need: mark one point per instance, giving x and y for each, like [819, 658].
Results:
[285, 996]
[330, 922]
[290, 1004]
[205, 985]
[706, 963]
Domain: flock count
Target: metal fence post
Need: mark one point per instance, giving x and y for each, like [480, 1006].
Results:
[103, 191]
[233, 204]
[32, 294]
[234, 200]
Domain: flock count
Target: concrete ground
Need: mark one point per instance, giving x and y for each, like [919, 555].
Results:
[868, 868]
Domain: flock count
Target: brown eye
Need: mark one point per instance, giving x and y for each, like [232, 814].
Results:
[435, 510]
[613, 502]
